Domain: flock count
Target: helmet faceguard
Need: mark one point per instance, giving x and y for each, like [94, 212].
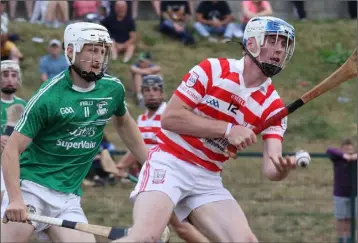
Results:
[274, 40]
[152, 81]
[97, 41]
[7, 67]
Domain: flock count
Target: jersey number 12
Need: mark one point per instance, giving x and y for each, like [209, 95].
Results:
[233, 108]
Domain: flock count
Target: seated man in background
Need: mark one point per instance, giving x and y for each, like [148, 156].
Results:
[143, 67]
[215, 17]
[174, 18]
[122, 29]
[54, 62]
[343, 159]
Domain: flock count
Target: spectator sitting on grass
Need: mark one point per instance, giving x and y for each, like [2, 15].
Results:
[53, 63]
[174, 19]
[215, 17]
[143, 67]
[9, 50]
[122, 29]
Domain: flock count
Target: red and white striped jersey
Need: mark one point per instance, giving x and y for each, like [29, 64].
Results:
[215, 89]
[150, 126]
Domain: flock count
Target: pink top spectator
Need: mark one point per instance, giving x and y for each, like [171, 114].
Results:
[82, 8]
[254, 8]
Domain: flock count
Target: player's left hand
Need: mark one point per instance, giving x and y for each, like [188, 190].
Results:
[3, 141]
[284, 164]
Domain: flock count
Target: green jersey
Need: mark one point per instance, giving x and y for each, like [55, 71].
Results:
[6, 104]
[66, 125]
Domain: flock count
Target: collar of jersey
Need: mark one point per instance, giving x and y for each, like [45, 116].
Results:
[263, 87]
[8, 101]
[76, 88]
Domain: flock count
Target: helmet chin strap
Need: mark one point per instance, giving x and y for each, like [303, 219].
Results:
[88, 76]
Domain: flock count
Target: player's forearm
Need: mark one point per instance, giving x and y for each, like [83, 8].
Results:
[186, 122]
[272, 149]
[271, 172]
[11, 170]
[127, 160]
[132, 138]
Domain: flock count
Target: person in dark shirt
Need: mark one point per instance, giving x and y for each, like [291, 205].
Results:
[215, 17]
[122, 29]
[344, 161]
[174, 18]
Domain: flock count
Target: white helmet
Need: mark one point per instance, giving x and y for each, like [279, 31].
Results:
[81, 33]
[9, 65]
[259, 27]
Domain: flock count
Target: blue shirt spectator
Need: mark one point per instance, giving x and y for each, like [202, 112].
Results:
[53, 63]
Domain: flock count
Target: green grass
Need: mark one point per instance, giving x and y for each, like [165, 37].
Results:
[298, 209]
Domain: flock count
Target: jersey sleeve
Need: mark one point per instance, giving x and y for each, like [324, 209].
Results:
[277, 130]
[195, 84]
[121, 108]
[34, 118]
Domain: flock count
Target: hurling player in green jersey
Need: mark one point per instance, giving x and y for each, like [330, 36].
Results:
[10, 83]
[59, 134]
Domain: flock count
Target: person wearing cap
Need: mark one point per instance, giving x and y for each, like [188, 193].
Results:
[53, 63]
[143, 67]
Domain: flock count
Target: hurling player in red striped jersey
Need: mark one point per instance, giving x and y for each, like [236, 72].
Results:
[218, 102]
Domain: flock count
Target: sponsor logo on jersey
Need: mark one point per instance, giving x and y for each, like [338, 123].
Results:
[190, 92]
[102, 108]
[212, 102]
[66, 110]
[238, 100]
[83, 132]
[219, 143]
[76, 145]
[86, 103]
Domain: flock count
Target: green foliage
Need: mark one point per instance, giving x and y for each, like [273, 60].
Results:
[337, 56]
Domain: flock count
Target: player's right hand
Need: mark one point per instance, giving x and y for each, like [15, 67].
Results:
[16, 212]
[241, 137]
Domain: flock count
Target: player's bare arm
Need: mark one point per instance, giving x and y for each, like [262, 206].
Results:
[180, 118]
[131, 136]
[276, 167]
[17, 143]
[127, 160]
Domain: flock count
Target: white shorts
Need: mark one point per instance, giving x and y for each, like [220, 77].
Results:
[49, 203]
[187, 185]
[2, 185]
